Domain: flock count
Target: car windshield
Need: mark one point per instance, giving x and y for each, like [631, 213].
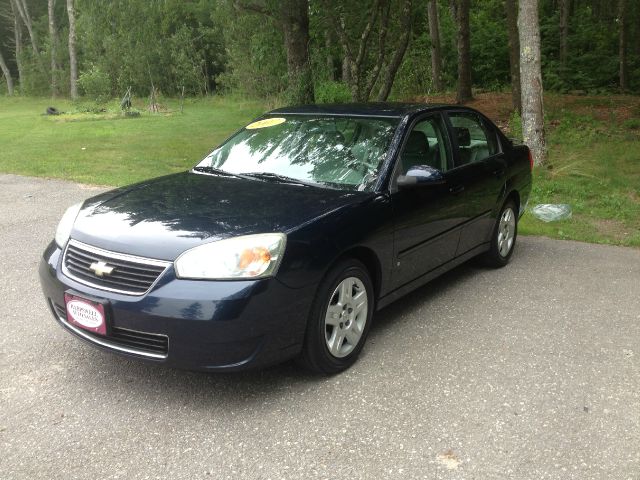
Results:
[340, 151]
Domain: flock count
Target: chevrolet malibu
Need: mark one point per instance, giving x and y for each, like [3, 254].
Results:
[284, 240]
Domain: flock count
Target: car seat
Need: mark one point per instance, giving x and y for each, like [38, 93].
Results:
[416, 151]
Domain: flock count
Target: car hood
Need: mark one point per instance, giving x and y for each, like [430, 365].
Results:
[162, 218]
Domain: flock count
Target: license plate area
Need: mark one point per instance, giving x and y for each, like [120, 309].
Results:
[86, 314]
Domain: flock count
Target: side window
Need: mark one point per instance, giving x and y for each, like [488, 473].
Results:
[475, 140]
[427, 144]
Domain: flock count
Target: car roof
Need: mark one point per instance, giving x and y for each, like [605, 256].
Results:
[371, 109]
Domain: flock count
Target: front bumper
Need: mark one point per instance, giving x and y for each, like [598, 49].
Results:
[207, 325]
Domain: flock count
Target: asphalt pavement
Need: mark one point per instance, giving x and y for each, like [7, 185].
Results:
[527, 372]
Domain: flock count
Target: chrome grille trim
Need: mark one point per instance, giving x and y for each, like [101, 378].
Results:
[147, 270]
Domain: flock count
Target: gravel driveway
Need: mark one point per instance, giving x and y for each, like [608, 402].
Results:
[528, 372]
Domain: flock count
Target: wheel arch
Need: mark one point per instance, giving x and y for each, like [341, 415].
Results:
[515, 196]
[370, 260]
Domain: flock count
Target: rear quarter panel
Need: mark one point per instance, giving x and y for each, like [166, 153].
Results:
[518, 174]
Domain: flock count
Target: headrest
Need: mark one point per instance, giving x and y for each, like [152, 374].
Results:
[417, 143]
[464, 136]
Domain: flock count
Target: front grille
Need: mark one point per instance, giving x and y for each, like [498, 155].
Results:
[130, 275]
[123, 339]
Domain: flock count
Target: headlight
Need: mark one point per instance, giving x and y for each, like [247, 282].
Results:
[250, 256]
[66, 224]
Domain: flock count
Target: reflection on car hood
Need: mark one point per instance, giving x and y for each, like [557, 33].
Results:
[162, 218]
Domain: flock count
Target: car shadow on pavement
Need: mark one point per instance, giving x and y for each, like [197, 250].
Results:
[140, 379]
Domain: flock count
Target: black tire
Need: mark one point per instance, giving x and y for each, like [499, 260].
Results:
[495, 258]
[316, 355]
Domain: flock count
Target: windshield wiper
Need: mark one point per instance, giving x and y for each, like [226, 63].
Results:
[217, 171]
[280, 178]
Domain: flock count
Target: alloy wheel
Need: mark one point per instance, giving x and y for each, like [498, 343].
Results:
[346, 317]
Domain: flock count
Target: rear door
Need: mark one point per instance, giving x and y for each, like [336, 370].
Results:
[426, 218]
[479, 173]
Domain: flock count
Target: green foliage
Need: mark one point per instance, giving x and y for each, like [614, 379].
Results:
[592, 63]
[36, 79]
[256, 59]
[332, 92]
[95, 84]
[171, 44]
[414, 75]
[211, 46]
[632, 124]
[515, 126]
[489, 45]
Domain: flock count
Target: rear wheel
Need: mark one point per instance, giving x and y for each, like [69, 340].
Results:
[340, 319]
[503, 238]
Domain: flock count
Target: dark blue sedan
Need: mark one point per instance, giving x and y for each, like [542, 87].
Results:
[284, 241]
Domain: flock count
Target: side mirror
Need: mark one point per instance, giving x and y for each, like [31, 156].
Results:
[421, 176]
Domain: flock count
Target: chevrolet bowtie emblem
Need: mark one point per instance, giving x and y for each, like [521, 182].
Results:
[101, 269]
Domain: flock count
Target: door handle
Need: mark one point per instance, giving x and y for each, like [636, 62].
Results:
[498, 172]
[457, 189]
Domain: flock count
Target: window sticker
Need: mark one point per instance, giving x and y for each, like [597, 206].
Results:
[267, 122]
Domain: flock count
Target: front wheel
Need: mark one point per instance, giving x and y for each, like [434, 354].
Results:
[340, 319]
[503, 238]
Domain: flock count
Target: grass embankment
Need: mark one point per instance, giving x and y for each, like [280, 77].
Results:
[594, 152]
[594, 165]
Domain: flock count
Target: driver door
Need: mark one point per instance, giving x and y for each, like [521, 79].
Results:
[426, 217]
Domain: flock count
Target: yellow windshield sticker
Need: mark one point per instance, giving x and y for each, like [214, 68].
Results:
[267, 122]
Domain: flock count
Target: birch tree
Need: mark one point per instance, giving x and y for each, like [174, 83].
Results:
[17, 32]
[7, 75]
[53, 40]
[23, 11]
[531, 78]
[73, 59]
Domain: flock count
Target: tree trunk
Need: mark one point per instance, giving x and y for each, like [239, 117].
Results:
[622, 44]
[294, 17]
[531, 76]
[7, 75]
[460, 10]
[436, 55]
[17, 30]
[53, 40]
[385, 11]
[511, 7]
[346, 70]
[331, 66]
[21, 6]
[398, 56]
[73, 60]
[565, 6]
[354, 59]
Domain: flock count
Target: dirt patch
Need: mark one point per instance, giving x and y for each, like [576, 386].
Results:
[497, 106]
[611, 228]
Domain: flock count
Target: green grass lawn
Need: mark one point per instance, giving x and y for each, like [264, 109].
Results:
[594, 153]
[594, 165]
[113, 151]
